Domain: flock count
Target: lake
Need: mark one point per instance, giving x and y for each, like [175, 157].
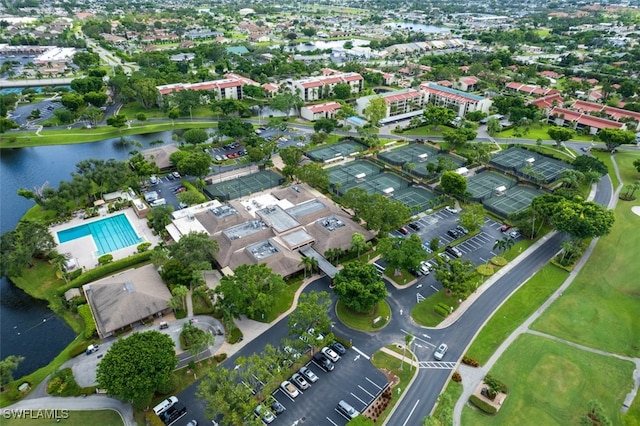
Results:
[27, 326]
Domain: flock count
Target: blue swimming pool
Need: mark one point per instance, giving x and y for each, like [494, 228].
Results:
[110, 234]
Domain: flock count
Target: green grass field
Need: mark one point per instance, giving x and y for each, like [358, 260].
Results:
[94, 418]
[551, 383]
[393, 364]
[515, 310]
[424, 314]
[600, 309]
[364, 322]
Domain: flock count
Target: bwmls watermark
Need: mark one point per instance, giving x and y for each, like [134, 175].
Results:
[32, 414]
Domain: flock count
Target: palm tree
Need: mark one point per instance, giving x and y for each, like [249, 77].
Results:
[308, 263]
[498, 245]
[358, 243]
[408, 338]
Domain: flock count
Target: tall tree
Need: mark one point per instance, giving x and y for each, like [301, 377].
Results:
[455, 276]
[402, 252]
[560, 134]
[359, 287]
[613, 138]
[438, 116]
[7, 367]
[359, 243]
[312, 311]
[195, 250]
[135, 367]
[453, 184]
[472, 217]
[376, 110]
[251, 290]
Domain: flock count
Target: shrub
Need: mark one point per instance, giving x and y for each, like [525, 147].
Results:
[168, 386]
[63, 384]
[470, 361]
[153, 419]
[441, 311]
[482, 404]
[105, 258]
[180, 313]
[89, 323]
[456, 377]
[78, 349]
[220, 357]
[144, 247]
[234, 335]
[498, 260]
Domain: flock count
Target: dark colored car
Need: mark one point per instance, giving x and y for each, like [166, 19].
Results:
[277, 407]
[339, 348]
[453, 233]
[414, 226]
[323, 362]
[403, 231]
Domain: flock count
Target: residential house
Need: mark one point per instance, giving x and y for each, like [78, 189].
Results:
[228, 88]
[462, 102]
[401, 104]
[578, 120]
[315, 88]
[467, 84]
[530, 89]
[316, 112]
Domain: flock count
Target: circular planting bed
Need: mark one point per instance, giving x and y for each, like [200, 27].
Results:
[373, 321]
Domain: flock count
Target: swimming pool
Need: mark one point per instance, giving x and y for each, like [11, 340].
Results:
[110, 234]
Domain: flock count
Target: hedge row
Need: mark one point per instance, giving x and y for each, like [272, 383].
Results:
[89, 322]
[104, 270]
[78, 349]
[442, 309]
[482, 404]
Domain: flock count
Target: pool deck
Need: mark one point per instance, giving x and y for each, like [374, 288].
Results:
[84, 250]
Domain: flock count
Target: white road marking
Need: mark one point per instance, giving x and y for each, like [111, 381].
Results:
[361, 353]
[411, 413]
[373, 383]
[367, 392]
[356, 397]
[426, 335]
[332, 422]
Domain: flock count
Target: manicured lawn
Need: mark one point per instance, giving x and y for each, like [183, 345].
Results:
[392, 364]
[605, 157]
[551, 383]
[424, 131]
[600, 309]
[424, 314]
[536, 132]
[515, 310]
[632, 417]
[364, 322]
[65, 136]
[284, 301]
[94, 418]
[446, 401]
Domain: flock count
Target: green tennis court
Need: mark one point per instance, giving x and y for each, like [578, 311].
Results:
[530, 165]
[418, 199]
[485, 184]
[412, 153]
[384, 183]
[340, 149]
[513, 200]
[353, 171]
[244, 185]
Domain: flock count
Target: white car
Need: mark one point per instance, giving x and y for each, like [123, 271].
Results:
[330, 353]
[165, 405]
[439, 353]
[451, 209]
[308, 374]
[265, 414]
[299, 381]
[289, 389]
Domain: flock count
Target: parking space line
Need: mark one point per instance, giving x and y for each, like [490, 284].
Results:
[367, 392]
[373, 383]
[358, 398]
[331, 421]
[361, 353]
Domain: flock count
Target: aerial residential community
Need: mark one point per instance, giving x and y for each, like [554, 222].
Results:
[336, 213]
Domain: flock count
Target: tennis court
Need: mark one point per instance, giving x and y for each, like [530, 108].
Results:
[244, 185]
[513, 200]
[352, 171]
[483, 185]
[418, 199]
[383, 183]
[413, 153]
[530, 165]
[340, 149]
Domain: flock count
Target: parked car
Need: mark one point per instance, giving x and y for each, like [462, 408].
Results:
[515, 234]
[462, 229]
[427, 248]
[176, 175]
[439, 353]
[289, 389]
[323, 362]
[414, 226]
[264, 413]
[329, 353]
[309, 375]
[403, 231]
[164, 325]
[339, 348]
[277, 407]
[91, 349]
[453, 251]
[444, 256]
[165, 405]
[347, 410]
[453, 233]
[299, 381]
[451, 209]
[505, 228]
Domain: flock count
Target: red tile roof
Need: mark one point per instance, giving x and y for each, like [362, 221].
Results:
[328, 107]
[615, 113]
[585, 119]
[409, 94]
[548, 101]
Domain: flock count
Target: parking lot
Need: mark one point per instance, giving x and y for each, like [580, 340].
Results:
[354, 380]
[166, 187]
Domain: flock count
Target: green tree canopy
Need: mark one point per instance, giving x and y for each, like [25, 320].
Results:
[7, 367]
[379, 212]
[402, 252]
[312, 311]
[235, 128]
[613, 138]
[196, 250]
[582, 219]
[195, 136]
[135, 367]
[97, 99]
[472, 217]
[359, 287]
[560, 134]
[326, 125]
[455, 276]
[195, 163]
[342, 90]
[438, 116]
[251, 290]
[587, 163]
[376, 110]
[18, 248]
[453, 184]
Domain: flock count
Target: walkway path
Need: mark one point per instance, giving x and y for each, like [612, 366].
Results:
[472, 377]
[406, 359]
